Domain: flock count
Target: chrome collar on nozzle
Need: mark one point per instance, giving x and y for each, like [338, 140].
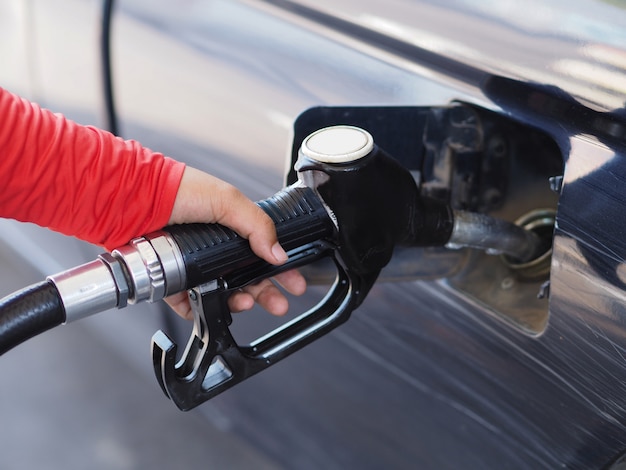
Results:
[148, 268]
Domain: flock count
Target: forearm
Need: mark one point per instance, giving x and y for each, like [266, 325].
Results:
[79, 180]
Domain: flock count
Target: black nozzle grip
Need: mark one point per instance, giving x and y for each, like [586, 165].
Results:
[211, 251]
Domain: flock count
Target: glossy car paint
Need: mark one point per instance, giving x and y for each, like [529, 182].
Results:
[420, 377]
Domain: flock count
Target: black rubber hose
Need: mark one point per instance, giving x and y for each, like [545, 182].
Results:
[29, 312]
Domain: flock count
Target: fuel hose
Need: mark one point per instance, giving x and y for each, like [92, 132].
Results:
[29, 312]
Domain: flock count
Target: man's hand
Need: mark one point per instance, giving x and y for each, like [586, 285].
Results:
[204, 198]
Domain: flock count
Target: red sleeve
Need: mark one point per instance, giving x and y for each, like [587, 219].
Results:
[79, 180]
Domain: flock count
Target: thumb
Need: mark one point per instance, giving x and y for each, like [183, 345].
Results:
[251, 222]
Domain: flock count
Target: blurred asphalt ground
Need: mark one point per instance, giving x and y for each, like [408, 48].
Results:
[69, 402]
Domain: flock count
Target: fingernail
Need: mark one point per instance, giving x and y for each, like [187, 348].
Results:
[279, 253]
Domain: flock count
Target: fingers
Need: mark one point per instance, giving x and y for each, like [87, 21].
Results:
[251, 222]
[292, 281]
[180, 304]
[267, 295]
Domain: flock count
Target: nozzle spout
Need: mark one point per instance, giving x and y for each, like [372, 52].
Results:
[494, 235]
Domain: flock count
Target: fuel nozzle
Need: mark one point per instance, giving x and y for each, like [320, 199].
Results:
[368, 190]
[374, 198]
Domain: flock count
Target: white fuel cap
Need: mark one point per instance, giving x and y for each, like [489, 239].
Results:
[338, 144]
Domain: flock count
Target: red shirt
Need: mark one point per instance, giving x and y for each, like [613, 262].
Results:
[79, 180]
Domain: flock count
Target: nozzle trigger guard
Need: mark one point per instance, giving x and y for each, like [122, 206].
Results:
[213, 361]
